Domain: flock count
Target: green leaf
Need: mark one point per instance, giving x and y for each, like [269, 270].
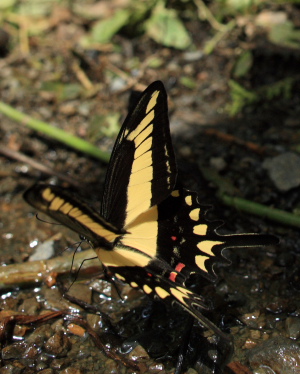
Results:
[188, 82]
[105, 29]
[107, 125]
[63, 91]
[285, 35]
[240, 97]
[167, 29]
[243, 64]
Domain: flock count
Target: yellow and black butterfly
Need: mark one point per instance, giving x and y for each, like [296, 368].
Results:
[147, 233]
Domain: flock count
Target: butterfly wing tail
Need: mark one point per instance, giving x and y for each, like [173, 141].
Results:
[192, 302]
[248, 240]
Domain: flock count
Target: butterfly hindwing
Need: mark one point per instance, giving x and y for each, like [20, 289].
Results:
[157, 286]
[142, 171]
[189, 242]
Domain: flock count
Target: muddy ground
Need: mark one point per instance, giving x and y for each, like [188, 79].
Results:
[51, 77]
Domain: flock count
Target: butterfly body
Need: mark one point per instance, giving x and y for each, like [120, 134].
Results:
[147, 234]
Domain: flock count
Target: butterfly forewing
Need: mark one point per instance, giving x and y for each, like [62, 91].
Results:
[142, 171]
[60, 205]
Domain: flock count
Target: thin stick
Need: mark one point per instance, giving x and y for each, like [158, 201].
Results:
[54, 132]
[35, 272]
[37, 165]
[227, 193]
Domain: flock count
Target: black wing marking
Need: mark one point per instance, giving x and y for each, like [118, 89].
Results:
[142, 170]
[190, 243]
[167, 244]
[60, 205]
[157, 285]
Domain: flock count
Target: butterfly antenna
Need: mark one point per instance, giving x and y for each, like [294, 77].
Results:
[41, 220]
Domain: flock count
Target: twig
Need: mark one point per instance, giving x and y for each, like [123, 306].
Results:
[260, 210]
[82, 77]
[54, 132]
[227, 195]
[205, 14]
[211, 44]
[233, 139]
[34, 272]
[109, 352]
[37, 165]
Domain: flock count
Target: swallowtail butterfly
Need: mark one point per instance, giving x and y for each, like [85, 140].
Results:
[148, 233]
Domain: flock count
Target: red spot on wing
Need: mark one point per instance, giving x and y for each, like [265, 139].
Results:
[172, 276]
[174, 238]
[179, 267]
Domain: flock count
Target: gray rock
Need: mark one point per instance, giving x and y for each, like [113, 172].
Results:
[284, 170]
[279, 355]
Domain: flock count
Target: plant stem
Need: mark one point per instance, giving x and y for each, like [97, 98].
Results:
[55, 133]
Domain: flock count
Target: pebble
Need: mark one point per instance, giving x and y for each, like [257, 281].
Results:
[29, 306]
[279, 355]
[284, 170]
[250, 319]
[82, 292]
[138, 353]
[10, 369]
[58, 345]
[71, 370]
[40, 335]
[19, 350]
[43, 251]
[76, 329]
[292, 325]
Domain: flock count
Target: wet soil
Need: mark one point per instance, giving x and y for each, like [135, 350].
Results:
[256, 298]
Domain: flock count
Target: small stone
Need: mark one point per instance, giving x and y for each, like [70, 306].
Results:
[29, 306]
[19, 350]
[10, 369]
[46, 371]
[58, 345]
[43, 251]
[81, 292]
[292, 325]
[218, 163]
[71, 370]
[284, 170]
[68, 109]
[250, 319]
[249, 344]
[193, 55]
[94, 321]
[76, 329]
[255, 334]
[40, 335]
[54, 300]
[138, 353]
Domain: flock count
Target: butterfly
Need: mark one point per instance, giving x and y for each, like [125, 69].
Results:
[148, 233]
